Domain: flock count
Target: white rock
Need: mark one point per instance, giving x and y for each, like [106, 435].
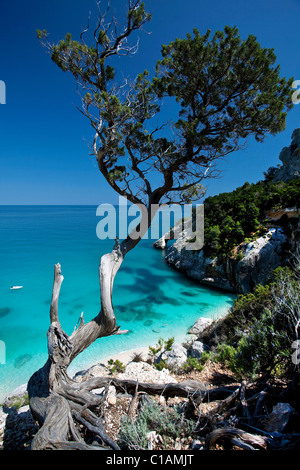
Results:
[197, 349]
[200, 325]
[146, 373]
[177, 356]
[111, 395]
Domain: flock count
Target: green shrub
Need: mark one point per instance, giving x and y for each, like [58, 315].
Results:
[225, 354]
[116, 366]
[263, 349]
[163, 344]
[168, 422]
[231, 218]
[162, 364]
[192, 363]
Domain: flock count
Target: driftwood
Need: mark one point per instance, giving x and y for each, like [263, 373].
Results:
[51, 391]
[235, 437]
[53, 398]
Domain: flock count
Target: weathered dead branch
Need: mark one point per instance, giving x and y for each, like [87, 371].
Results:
[237, 437]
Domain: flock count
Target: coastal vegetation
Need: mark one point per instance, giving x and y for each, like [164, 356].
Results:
[241, 215]
[225, 89]
[255, 339]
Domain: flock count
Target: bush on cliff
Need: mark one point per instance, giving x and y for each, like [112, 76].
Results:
[231, 217]
[261, 328]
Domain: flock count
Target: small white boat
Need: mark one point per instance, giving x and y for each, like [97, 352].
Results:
[16, 287]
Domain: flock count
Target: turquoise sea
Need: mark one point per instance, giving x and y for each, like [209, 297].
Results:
[151, 299]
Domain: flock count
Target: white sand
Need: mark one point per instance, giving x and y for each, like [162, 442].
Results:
[126, 356]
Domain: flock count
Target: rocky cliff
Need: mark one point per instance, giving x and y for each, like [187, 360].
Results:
[252, 261]
[238, 273]
[290, 158]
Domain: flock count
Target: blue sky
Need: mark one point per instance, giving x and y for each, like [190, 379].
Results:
[44, 153]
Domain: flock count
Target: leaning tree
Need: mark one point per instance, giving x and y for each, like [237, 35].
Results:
[223, 89]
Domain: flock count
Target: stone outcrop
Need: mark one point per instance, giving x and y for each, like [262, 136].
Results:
[290, 157]
[146, 373]
[197, 349]
[252, 265]
[253, 262]
[200, 325]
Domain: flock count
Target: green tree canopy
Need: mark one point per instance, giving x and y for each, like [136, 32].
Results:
[226, 88]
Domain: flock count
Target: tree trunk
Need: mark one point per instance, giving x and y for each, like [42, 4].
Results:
[54, 398]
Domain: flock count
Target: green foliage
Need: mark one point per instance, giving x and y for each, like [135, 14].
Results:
[199, 70]
[261, 327]
[225, 354]
[162, 364]
[239, 216]
[192, 363]
[263, 348]
[116, 365]
[226, 89]
[168, 422]
[163, 344]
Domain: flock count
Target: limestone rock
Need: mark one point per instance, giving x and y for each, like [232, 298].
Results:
[200, 325]
[111, 395]
[278, 418]
[98, 370]
[260, 258]
[290, 157]
[177, 356]
[197, 349]
[17, 397]
[145, 372]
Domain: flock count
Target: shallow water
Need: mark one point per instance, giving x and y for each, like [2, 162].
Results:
[151, 299]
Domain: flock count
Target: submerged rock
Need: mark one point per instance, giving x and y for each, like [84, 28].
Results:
[4, 311]
[21, 360]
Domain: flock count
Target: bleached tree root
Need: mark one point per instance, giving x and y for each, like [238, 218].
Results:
[60, 408]
[236, 437]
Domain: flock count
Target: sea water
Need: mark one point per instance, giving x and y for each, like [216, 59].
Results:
[151, 299]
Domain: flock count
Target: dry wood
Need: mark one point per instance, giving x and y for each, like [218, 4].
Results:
[259, 406]
[133, 403]
[228, 434]
[246, 412]
[184, 389]
[223, 405]
[51, 391]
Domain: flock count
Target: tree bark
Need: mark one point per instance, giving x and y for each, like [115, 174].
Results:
[236, 437]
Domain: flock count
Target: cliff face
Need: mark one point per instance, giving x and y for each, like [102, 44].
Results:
[290, 157]
[250, 263]
[259, 258]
